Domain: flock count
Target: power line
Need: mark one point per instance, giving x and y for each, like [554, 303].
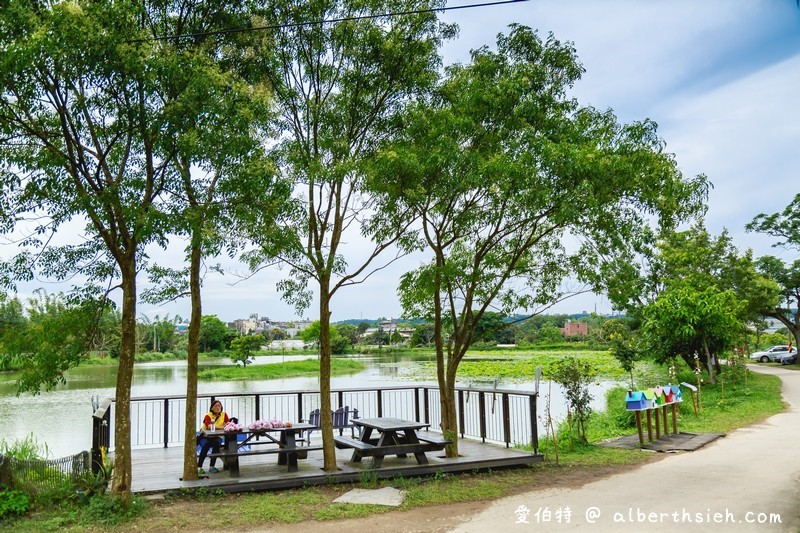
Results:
[328, 21]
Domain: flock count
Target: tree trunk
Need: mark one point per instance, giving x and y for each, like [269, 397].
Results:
[121, 484]
[190, 426]
[711, 366]
[447, 393]
[328, 448]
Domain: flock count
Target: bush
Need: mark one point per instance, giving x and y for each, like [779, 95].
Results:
[13, 503]
[110, 510]
[575, 376]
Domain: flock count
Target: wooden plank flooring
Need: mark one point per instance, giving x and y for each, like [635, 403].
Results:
[160, 469]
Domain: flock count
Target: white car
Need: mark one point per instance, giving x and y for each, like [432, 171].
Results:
[772, 354]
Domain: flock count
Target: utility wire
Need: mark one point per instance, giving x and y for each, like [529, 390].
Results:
[327, 21]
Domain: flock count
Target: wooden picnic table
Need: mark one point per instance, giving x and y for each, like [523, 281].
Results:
[390, 436]
[287, 449]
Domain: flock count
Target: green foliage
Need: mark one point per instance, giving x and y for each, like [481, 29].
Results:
[214, 334]
[684, 321]
[158, 334]
[624, 347]
[111, 510]
[368, 478]
[13, 503]
[339, 343]
[310, 334]
[26, 448]
[575, 376]
[55, 334]
[787, 277]
[243, 348]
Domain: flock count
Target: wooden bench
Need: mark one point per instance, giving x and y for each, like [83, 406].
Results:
[371, 449]
[343, 442]
[432, 438]
[300, 451]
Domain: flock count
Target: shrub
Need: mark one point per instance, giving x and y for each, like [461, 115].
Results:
[13, 503]
[110, 510]
[575, 376]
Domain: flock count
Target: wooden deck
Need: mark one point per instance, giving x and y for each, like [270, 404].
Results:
[160, 469]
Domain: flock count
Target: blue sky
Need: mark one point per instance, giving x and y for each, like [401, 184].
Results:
[720, 77]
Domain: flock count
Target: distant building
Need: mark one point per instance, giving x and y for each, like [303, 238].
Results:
[571, 329]
[390, 327]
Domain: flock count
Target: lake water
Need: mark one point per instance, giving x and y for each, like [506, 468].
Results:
[62, 418]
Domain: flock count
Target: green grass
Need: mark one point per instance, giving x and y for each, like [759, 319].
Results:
[288, 369]
[522, 364]
[725, 406]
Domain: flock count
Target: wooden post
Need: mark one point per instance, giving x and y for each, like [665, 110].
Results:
[674, 420]
[658, 424]
[664, 415]
[649, 427]
[639, 427]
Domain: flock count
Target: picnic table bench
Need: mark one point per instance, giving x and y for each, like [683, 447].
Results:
[394, 437]
[288, 447]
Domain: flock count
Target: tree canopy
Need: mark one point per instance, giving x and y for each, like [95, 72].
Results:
[502, 169]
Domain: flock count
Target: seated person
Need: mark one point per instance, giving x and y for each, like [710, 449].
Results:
[214, 420]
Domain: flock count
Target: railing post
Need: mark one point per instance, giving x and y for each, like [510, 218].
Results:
[340, 399]
[380, 402]
[482, 414]
[257, 399]
[461, 424]
[506, 419]
[416, 405]
[300, 413]
[166, 422]
[426, 402]
[534, 424]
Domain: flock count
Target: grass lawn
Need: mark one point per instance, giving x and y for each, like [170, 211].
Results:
[307, 367]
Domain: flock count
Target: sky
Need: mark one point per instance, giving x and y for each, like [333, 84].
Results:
[720, 77]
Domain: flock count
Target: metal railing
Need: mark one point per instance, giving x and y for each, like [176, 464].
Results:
[491, 415]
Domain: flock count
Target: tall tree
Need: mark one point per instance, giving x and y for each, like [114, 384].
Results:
[340, 70]
[787, 276]
[698, 260]
[786, 227]
[500, 166]
[80, 124]
[214, 119]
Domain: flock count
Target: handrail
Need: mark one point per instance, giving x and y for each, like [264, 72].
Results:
[494, 415]
[315, 391]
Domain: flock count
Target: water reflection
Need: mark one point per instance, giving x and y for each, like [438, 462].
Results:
[62, 418]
